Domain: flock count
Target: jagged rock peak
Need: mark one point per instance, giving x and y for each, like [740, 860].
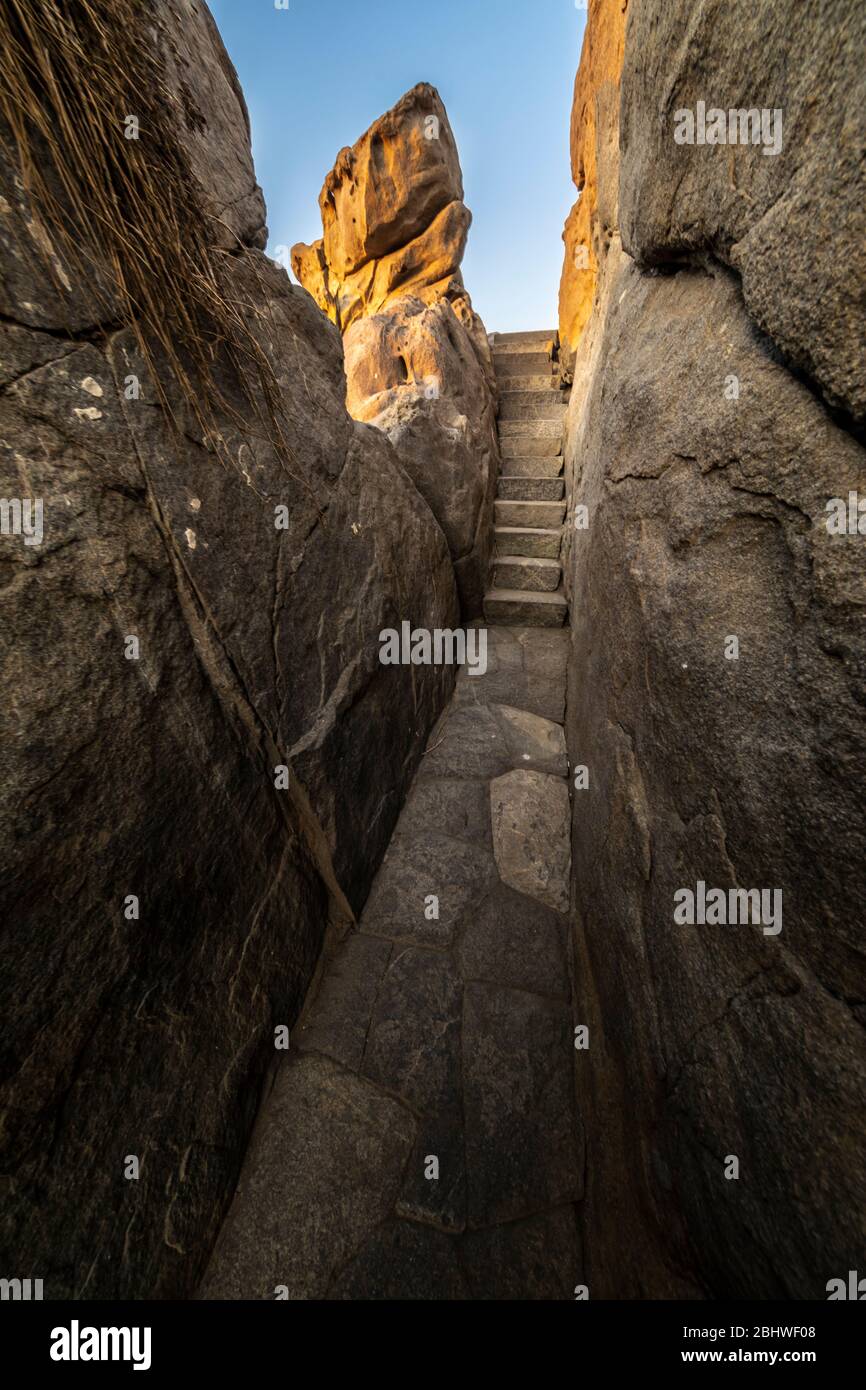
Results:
[393, 217]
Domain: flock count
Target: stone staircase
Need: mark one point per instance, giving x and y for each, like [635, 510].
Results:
[530, 500]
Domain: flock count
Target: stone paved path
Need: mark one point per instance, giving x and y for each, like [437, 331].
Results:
[422, 1140]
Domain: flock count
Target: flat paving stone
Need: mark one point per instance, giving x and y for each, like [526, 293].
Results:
[540, 1258]
[520, 689]
[516, 941]
[523, 1149]
[531, 818]
[458, 806]
[414, 1050]
[339, 1019]
[455, 871]
[403, 1261]
[534, 743]
[487, 740]
[323, 1172]
[437, 1201]
[545, 650]
[504, 651]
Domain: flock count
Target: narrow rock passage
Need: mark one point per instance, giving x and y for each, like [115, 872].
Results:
[438, 1037]
[422, 1139]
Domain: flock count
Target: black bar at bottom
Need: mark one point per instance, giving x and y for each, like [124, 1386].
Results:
[262, 1339]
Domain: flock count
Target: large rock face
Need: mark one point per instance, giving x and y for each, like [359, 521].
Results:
[167, 891]
[787, 221]
[206, 94]
[416, 373]
[418, 363]
[706, 465]
[393, 216]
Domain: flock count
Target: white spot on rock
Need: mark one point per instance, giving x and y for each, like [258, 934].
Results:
[43, 241]
[195, 503]
[92, 387]
[88, 412]
[190, 538]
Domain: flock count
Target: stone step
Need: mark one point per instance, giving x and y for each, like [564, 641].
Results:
[519, 385]
[531, 429]
[542, 349]
[532, 335]
[546, 466]
[521, 609]
[523, 449]
[543, 514]
[528, 573]
[531, 405]
[530, 489]
[509, 364]
[527, 540]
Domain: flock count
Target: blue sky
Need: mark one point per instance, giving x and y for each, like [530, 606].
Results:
[317, 75]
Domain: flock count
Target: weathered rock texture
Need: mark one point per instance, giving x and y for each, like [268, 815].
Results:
[155, 777]
[593, 141]
[205, 90]
[437, 1037]
[202, 89]
[706, 499]
[416, 373]
[393, 216]
[418, 364]
[791, 224]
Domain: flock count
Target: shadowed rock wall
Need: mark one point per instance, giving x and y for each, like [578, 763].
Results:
[146, 1028]
[716, 389]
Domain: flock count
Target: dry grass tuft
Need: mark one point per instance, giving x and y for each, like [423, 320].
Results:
[70, 72]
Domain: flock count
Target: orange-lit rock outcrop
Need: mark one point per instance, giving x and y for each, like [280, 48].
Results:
[594, 127]
[393, 217]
